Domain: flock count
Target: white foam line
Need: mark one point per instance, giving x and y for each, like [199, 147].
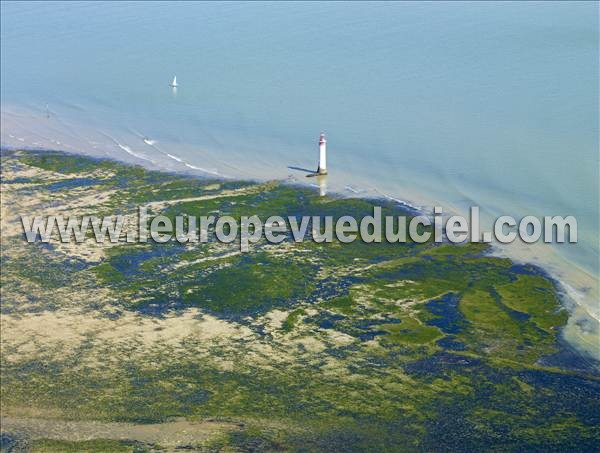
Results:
[175, 158]
[181, 161]
[128, 150]
[574, 294]
[153, 144]
[193, 167]
[148, 141]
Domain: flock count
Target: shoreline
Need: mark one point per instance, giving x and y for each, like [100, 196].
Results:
[120, 337]
[30, 126]
[574, 333]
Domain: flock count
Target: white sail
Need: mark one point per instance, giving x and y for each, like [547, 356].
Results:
[174, 82]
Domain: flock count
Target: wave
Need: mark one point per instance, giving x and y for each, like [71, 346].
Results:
[193, 167]
[175, 158]
[150, 142]
[147, 140]
[128, 150]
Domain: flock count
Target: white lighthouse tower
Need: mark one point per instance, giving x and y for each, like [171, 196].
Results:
[322, 170]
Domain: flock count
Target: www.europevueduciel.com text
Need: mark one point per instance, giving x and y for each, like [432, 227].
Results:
[275, 229]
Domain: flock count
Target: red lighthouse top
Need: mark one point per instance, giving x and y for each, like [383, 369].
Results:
[322, 139]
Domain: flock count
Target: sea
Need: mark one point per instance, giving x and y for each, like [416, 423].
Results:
[444, 104]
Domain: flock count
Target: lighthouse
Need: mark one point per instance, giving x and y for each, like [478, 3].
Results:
[322, 170]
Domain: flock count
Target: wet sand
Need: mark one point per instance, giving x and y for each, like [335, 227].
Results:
[177, 433]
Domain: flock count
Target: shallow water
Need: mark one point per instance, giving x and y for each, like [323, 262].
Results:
[483, 104]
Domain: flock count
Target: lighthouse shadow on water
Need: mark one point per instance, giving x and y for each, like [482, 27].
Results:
[321, 172]
[322, 168]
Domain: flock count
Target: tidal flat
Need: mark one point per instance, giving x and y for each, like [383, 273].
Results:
[289, 347]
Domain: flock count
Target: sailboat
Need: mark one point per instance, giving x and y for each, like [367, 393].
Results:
[174, 82]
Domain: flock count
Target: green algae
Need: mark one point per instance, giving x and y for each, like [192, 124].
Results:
[86, 446]
[390, 384]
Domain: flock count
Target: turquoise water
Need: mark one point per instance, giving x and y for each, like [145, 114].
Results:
[477, 103]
